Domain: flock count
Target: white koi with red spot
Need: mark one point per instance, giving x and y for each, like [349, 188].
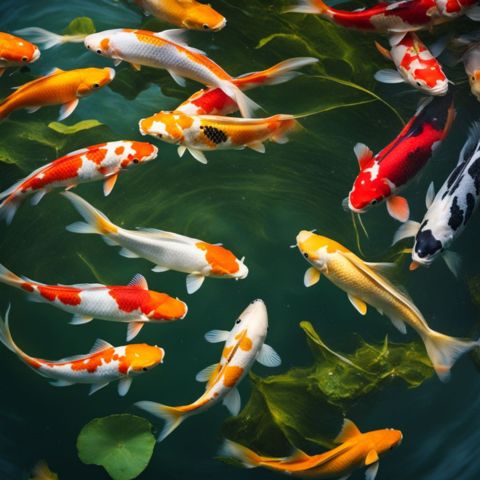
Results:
[99, 162]
[102, 365]
[167, 250]
[244, 345]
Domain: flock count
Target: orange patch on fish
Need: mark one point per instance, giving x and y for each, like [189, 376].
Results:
[119, 150]
[65, 295]
[91, 364]
[245, 344]
[231, 376]
[226, 352]
[221, 260]
[27, 287]
[98, 154]
[105, 43]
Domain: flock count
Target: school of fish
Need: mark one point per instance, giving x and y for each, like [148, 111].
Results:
[203, 122]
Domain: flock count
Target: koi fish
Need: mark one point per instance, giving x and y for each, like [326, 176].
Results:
[59, 87]
[134, 303]
[209, 132]
[398, 17]
[447, 212]
[102, 365]
[416, 65]
[365, 283]
[383, 175]
[167, 50]
[16, 52]
[356, 450]
[185, 14]
[244, 345]
[167, 250]
[49, 39]
[98, 162]
[213, 101]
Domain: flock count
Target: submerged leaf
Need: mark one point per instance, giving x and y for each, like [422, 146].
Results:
[80, 26]
[78, 127]
[122, 444]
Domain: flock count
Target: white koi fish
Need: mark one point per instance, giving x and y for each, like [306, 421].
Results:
[167, 250]
[244, 345]
[102, 365]
[167, 50]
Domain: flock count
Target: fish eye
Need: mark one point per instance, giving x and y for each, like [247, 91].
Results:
[88, 46]
[96, 85]
[419, 84]
[145, 369]
[238, 320]
[160, 135]
[205, 26]
[374, 202]
[136, 160]
[24, 59]
[99, 52]
[305, 255]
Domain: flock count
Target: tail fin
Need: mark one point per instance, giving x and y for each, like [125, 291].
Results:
[48, 39]
[6, 336]
[172, 416]
[308, 6]
[96, 221]
[287, 125]
[231, 449]
[444, 351]
[280, 73]
[246, 105]
[8, 277]
[9, 207]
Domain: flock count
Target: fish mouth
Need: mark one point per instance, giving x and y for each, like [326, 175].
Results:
[220, 25]
[36, 55]
[347, 206]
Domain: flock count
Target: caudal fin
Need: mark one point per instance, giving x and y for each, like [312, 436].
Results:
[246, 105]
[9, 278]
[95, 221]
[444, 351]
[9, 207]
[247, 457]
[308, 6]
[172, 416]
[5, 335]
[46, 38]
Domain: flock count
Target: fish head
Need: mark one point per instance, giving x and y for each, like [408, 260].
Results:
[166, 307]
[427, 247]
[251, 326]
[166, 126]
[93, 79]
[384, 440]
[100, 42]
[139, 152]
[201, 16]
[20, 51]
[142, 357]
[368, 190]
[430, 80]
[317, 249]
[474, 80]
[222, 262]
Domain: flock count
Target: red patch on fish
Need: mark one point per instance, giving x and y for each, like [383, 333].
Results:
[97, 154]
[65, 295]
[213, 101]
[93, 362]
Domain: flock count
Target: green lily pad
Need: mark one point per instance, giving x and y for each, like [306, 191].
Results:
[305, 406]
[122, 444]
[70, 129]
[80, 26]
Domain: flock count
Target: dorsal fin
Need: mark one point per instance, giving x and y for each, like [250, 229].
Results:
[178, 36]
[363, 154]
[297, 456]
[138, 281]
[100, 345]
[349, 430]
[53, 71]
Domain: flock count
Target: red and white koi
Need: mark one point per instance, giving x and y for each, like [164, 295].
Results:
[415, 63]
[104, 161]
[244, 345]
[198, 133]
[213, 101]
[102, 365]
[383, 175]
[167, 50]
[167, 250]
[134, 304]
[16, 52]
[397, 17]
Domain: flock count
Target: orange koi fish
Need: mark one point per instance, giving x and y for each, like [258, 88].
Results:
[59, 87]
[98, 162]
[102, 365]
[197, 133]
[16, 52]
[356, 450]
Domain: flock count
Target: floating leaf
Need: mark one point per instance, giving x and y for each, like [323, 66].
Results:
[80, 26]
[122, 444]
[78, 127]
[306, 405]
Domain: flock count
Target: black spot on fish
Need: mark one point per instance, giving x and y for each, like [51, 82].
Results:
[456, 215]
[474, 172]
[470, 206]
[215, 135]
[426, 244]
[435, 114]
[453, 180]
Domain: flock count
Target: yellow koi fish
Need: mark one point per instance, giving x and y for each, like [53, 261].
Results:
[60, 87]
[356, 450]
[16, 52]
[365, 283]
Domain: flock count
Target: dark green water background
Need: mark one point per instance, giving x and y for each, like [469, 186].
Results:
[255, 204]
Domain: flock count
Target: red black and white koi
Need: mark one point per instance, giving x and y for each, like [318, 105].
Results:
[244, 345]
[415, 65]
[102, 365]
[448, 211]
[167, 250]
[383, 175]
[167, 50]
[134, 303]
[397, 17]
[98, 162]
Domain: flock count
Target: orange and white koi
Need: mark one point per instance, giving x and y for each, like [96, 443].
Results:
[102, 365]
[356, 450]
[415, 63]
[185, 14]
[16, 52]
[59, 87]
[167, 250]
[244, 345]
[213, 101]
[167, 50]
[366, 283]
[98, 162]
[134, 303]
[198, 133]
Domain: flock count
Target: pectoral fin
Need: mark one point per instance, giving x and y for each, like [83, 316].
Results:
[198, 155]
[359, 305]
[268, 357]
[372, 458]
[96, 387]
[363, 154]
[205, 374]
[177, 78]
[109, 183]
[136, 67]
[312, 276]
[398, 208]
[133, 330]
[388, 75]
[160, 269]
[233, 401]
[80, 319]
[371, 472]
[124, 386]
[61, 383]
[67, 109]
[399, 325]
[257, 146]
[33, 109]
[216, 336]
[194, 282]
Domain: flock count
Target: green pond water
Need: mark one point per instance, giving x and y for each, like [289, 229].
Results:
[255, 204]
